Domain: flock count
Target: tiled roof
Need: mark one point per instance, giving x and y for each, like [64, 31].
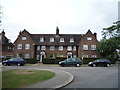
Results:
[77, 39]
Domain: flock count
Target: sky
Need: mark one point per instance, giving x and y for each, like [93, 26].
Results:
[71, 16]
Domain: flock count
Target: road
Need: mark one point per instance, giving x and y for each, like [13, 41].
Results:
[85, 77]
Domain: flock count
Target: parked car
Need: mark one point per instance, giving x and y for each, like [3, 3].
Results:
[100, 62]
[14, 61]
[71, 61]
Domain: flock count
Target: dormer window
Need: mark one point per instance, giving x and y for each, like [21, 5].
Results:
[41, 39]
[24, 38]
[89, 38]
[61, 39]
[71, 39]
[51, 39]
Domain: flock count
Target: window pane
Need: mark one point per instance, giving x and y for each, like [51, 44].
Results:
[19, 46]
[71, 39]
[61, 39]
[43, 48]
[51, 39]
[93, 47]
[89, 38]
[69, 48]
[85, 47]
[52, 48]
[41, 39]
[60, 48]
[27, 46]
[23, 38]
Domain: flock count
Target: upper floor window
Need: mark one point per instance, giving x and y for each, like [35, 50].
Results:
[93, 47]
[52, 48]
[38, 47]
[85, 47]
[19, 46]
[71, 39]
[41, 39]
[61, 48]
[24, 38]
[74, 48]
[69, 48]
[51, 39]
[27, 46]
[61, 39]
[43, 47]
[89, 38]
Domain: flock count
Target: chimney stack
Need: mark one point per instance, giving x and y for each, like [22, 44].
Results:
[95, 35]
[57, 31]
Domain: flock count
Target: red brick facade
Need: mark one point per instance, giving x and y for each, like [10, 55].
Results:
[55, 45]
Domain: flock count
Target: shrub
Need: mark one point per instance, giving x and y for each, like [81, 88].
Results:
[87, 60]
[48, 61]
[31, 60]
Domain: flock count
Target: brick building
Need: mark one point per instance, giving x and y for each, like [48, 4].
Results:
[40, 46]
[6, 47]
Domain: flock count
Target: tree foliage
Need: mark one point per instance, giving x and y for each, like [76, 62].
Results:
[110, 42]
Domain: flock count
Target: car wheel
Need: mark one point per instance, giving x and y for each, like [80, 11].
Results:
[5, 64]
[77, 65]
[18, 64]
[94, 65]
[108, 65]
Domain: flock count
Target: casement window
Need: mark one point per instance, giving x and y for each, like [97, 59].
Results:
[24, 38]
[51, 39]
[19, 46]
[60, 48]
[85, 47]
[43, 47]
[61, 39]
[69, 48]
[89, 38]
[71, 39]
[85, 56]
[27, 46]
[52, 48]
[94, 56]
[38, 47]
[93, 47]
[74, 48]
[27, 55]
[41, 39]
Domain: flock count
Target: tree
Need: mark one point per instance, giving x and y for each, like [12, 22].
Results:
[110, 42]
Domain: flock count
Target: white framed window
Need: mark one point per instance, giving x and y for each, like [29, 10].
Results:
[61, 39]
[38, 47]
[74, 48]
[24, 38]
[71, 39]
[85, 47]
[60, 48]
[27, 46]
[51, 39]
[52, 48]
[43, 47]
[27, 55]
[41, 39]
[85, 56]
[89, 38]
[69, 48]
[94, 56]
[93, 47]
[19, 46]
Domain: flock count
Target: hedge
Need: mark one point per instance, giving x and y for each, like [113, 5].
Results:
[30, 61]
[53, 60]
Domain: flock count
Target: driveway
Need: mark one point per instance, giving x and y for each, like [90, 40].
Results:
[85, 77]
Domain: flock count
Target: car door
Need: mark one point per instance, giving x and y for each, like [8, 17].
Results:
[69, 61]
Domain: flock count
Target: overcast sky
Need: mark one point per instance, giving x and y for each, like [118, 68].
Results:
[71, 16]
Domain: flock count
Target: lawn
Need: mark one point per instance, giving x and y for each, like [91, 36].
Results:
[21, 78]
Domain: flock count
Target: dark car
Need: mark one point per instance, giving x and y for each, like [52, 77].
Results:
[100, 62]
[71, 61]
[14, 61]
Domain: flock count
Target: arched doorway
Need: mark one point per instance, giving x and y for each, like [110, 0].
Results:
[42, 55]
[69, 55]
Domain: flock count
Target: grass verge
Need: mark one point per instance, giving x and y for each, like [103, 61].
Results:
[21, 78]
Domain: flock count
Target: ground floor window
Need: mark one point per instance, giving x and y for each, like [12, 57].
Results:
[27, 55]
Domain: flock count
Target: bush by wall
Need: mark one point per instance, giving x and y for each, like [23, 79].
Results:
[48, 61]
[87, 60]
[30, 61]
